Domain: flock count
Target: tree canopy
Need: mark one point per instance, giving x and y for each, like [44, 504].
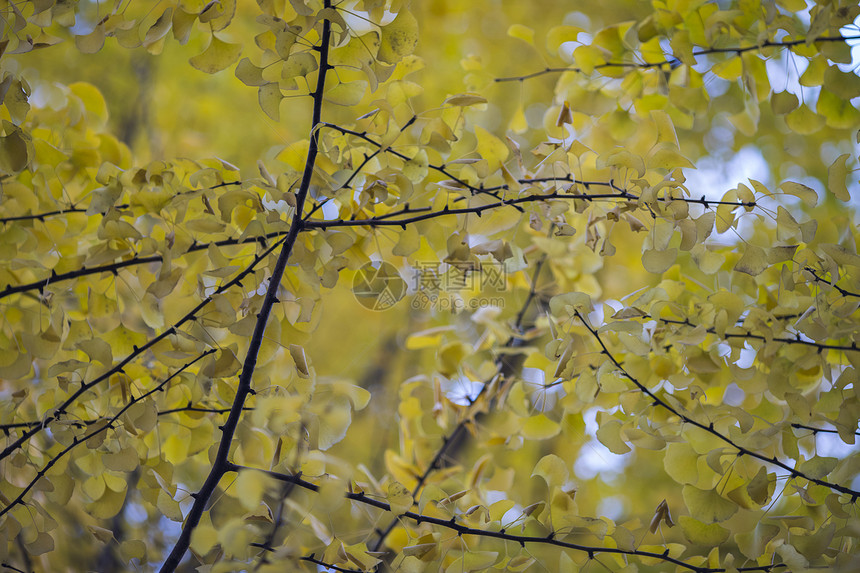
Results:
[464, 286]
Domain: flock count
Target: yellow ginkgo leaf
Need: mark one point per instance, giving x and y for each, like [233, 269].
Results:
[399, 37]
[524, 33]
[753, 262]
[217, 56]
[698, 533]
[398, 498]
[347, 93]
[707, 505]
[491, 148]
[836, 174]
[806, 193]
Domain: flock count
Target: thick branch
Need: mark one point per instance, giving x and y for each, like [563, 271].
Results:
[220, 464]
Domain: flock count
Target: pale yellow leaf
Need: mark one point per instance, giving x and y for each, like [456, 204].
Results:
[399, 37]
[217, 56]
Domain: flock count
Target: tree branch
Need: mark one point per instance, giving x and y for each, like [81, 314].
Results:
[61, 409]
[657, 401]
[460, 529]
[504, 368]
[675, 61]
[133, 261]
[220, 464]
[109, 423]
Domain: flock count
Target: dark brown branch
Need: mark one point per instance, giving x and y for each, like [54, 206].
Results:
[784, 339]
[90, 422]
[133, 261]
[742, 451]
[107, 425]
[673, 61]
[842, 291]
[367, 158]
[74, 209]
[439, 168]
[266, 545]
[45, 215]
[138, 351]
[426, 213]
[552, 539]
[504, 368]
[221, 464]
[312, 559]
[818, 430]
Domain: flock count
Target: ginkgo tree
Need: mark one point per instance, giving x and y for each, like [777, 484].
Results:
[466, 303]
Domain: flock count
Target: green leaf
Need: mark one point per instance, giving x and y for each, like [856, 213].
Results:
[837, 112]
[218, 14]
[92, 42]
[183, 23]
[564, 305]
[730, 69]
[658, 262]
[14, 152]
[465, 100]
[300, 360]
[399, 498]
[818, 467]
[783, 102]
[609, 434]
[250, 486]
[552, 469]
[665, 155]
[300, 64]
[491, 148]
[845, 85]
[558, 35]
[681, 463]
[523, 33]
[160, 29]
[761, 486]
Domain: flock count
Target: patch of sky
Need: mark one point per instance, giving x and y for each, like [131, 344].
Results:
[595, 459]
[613, 507]
[461, 390]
